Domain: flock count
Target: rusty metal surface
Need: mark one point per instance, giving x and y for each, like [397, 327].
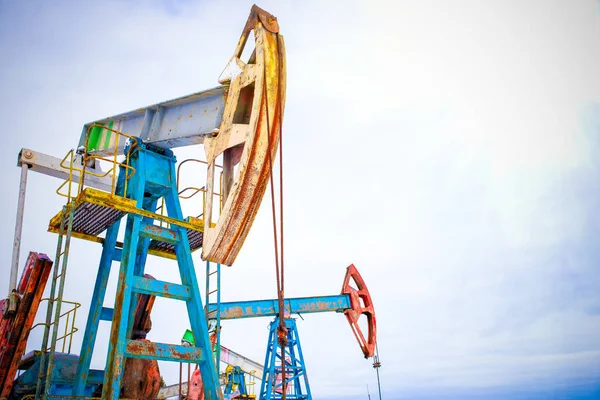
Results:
[268, 20]
[162, 351]
[108, 200]
[141, 379]
[142, 323]
[89, 218]
[362, 305]
[270, 308]
[95, 211]
[251, 120]
[15, 331]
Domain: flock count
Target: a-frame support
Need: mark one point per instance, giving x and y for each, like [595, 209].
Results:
[151, 177]
[295, 370]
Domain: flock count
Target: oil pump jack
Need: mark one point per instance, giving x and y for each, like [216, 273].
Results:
[124, 168]
[354, 301]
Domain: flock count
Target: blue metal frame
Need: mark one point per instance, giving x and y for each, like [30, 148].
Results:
[62, 384]
[295, 370]
[270, 308]
[154, 178]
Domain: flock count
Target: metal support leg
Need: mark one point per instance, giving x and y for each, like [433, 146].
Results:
[294, 371]
[18, 229]
[210, 376]
[95, 315]
[109, 254]
[115, 362]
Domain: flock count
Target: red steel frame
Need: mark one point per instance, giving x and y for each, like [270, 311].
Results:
[15, 330]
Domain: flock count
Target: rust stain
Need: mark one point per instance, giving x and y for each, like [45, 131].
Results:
[357, 310]
[235, 312]
[223, 243]
[141, 379]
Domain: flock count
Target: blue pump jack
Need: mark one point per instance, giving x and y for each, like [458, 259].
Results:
[354, 301]
[154, 179]
[296, 379]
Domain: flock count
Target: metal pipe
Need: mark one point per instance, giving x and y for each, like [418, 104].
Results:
[18, 229]
[180, 379]
[378, 384]
[377, 365]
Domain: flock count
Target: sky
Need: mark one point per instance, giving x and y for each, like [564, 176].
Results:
[449, 149]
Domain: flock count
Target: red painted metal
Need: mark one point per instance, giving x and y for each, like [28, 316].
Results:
[142, 324]
[361, 304]
[141, 379]
[14, 330]
[196, 386]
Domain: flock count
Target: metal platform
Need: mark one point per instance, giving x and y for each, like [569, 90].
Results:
[95, 210]
[195, 238]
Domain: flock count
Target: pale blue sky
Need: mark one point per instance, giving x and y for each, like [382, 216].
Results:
[448, 148]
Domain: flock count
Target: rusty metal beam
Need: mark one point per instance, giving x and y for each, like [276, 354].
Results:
[162, 351]
[229, 357]
[159, 233]
[270, 308]
[155, 287]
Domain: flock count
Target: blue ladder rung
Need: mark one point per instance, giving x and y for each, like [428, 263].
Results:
[160, 234]
[155, 287]
[162, 351]
[116, 254]
[106, 314]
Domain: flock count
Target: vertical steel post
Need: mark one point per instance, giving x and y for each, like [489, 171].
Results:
[377, 365]
[95, 313]
[207, 291]
[378, 383]
[180, 378]
[109, 254]
[18, 229]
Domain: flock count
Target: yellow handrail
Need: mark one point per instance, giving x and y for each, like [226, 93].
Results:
[70, 167]
[68, 332]
[198, 189]
[87, 157]
[114, 161]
